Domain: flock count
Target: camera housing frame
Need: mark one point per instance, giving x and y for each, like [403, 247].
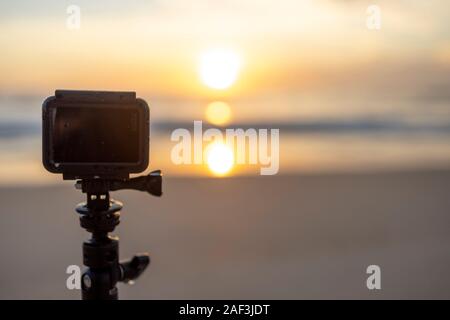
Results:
[96, 100]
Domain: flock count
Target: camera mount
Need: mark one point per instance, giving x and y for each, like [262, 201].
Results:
[99, 215]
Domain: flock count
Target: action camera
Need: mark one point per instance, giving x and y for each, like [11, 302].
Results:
[95, 134]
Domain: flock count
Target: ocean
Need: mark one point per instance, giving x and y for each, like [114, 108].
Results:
[313, 137]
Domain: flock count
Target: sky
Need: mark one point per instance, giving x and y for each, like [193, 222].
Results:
[286, 46]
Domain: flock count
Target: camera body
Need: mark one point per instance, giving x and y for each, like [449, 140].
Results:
[95, 134]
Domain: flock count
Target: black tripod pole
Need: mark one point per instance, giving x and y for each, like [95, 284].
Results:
[99, 216]
[101, 251]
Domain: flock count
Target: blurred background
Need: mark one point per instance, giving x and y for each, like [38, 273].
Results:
[364, 121]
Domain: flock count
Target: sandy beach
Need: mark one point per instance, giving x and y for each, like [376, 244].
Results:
[286, 237]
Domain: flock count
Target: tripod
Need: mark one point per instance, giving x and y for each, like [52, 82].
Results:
[99, 216]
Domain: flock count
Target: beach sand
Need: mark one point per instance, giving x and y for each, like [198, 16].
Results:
[281, 237]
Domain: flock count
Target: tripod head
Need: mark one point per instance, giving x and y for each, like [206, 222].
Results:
[97, 190]
[99, 216]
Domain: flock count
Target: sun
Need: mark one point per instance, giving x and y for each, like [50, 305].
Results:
[218, 113]
[220, 158]
[219, 68]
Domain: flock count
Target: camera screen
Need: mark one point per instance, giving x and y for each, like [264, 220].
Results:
[95, 135]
